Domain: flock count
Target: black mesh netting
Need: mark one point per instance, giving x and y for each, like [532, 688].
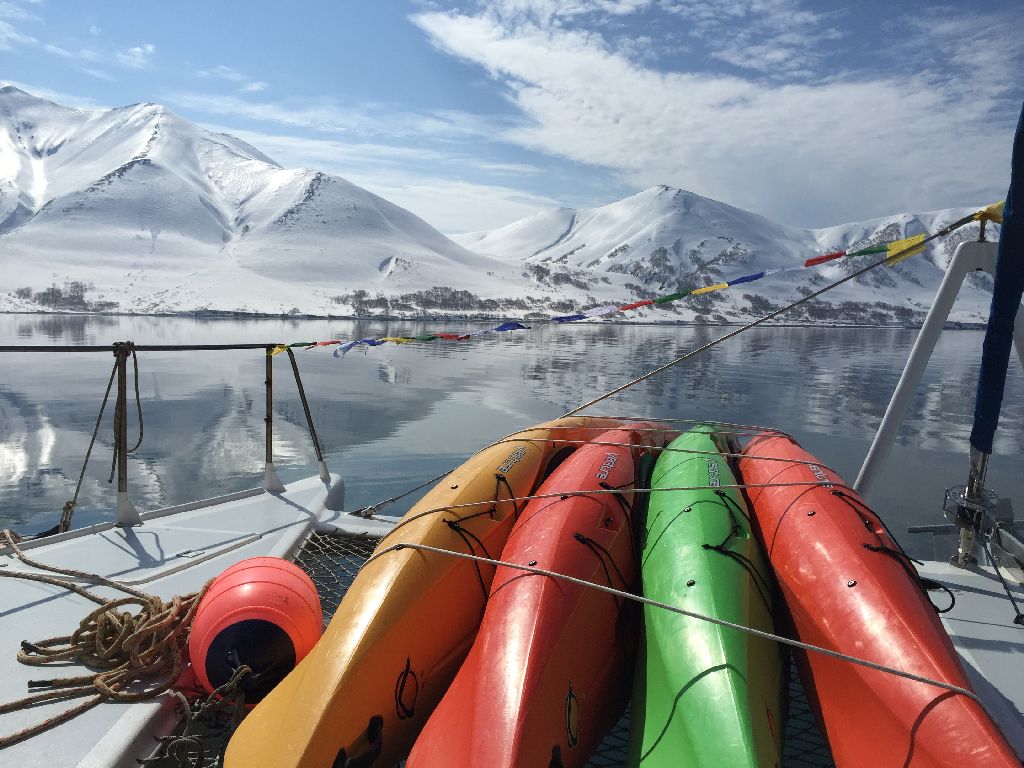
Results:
[332, 562]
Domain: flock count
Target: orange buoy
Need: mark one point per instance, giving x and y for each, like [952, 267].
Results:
[263, 613]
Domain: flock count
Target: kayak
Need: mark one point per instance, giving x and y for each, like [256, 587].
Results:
[408, 620]
[704, 694]
[549, 672]
[848, 586]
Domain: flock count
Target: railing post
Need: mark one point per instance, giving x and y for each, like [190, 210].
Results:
[271, 482]
[127, 515]
[969, 256]
[324, 474]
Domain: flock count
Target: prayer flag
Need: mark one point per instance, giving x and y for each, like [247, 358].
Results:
[568, 318]
[904, 249]
[709, 288]
[636, 305]
[671, 297]
[824, 257]
[747, 278]
[992, 212]
[598, 311]
[278, 349]
[513, 326]
[869, 250]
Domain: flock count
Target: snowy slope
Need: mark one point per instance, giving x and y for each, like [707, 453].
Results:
[161, 215]
[664, 239]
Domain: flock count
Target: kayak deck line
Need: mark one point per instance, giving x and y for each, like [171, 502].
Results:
[567, 494]
[693, 615]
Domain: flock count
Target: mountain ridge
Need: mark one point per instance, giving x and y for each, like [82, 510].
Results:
[135, 209]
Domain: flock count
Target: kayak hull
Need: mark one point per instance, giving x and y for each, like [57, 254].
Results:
[408, 620]
[848, 587]
[704, 695]
[548, 674]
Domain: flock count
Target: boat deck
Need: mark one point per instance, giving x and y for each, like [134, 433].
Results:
[991, 646]
[174, 553]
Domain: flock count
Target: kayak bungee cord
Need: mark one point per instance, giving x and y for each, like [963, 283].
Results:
[667, 449]
[693, 615]
[569, 494]
[889, 259]
[371, 509]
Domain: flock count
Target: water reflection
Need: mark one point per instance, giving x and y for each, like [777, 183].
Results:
[392, 416]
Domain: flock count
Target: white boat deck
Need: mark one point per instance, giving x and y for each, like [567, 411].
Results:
[991, 646]
[174, 552]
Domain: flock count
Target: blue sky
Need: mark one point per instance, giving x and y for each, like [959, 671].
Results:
[473, 114]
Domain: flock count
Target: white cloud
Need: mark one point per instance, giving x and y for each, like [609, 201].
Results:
[16, 12]
[812, 153]
[9, 37]
[94, 30]
[453, 205]
[98, 73]
[245, 83]
[364, 120]
[137, 57]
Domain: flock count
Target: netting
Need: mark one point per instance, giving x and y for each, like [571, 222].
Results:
[333, 561]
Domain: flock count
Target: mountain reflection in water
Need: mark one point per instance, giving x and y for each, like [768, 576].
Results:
[394, 416]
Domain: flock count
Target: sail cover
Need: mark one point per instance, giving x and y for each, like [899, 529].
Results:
[1006, 296]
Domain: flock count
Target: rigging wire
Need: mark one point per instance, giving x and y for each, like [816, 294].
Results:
[694, 615]
[889, 259]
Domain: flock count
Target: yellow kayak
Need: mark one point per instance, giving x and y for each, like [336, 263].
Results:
[408, 620]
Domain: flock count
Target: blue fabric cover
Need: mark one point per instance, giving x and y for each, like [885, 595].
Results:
[1006, 296]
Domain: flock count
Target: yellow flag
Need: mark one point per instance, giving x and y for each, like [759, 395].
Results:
[278, 349]
[709, 288]
[398, 339]
[904, 249]
[992, 212]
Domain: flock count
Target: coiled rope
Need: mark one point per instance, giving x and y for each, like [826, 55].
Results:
[138, 654]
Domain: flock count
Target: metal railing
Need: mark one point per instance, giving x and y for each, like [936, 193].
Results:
[127, 514]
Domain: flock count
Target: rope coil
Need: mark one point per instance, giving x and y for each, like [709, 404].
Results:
[139, 654]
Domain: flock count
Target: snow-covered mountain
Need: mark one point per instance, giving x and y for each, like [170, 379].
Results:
[160, 215]
[663, 240]
[137, 210]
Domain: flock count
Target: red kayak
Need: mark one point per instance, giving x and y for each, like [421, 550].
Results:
[848, 587]
[549, 673]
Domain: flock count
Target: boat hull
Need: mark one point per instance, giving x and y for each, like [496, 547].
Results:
[704, 694]
[408, 620]
[847, 587]
[548, 674]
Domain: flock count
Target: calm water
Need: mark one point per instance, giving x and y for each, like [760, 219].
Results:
[394, 416]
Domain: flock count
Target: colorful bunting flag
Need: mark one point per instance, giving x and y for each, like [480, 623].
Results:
[904, 249]
[823, 258]
[992, 212]
[670, 297]
[599, 311]
[511, 327]
[636, 305]
[709, 288]
[747, 278]
[278, 350]
[568, 318]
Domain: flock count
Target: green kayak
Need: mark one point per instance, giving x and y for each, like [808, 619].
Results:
[704, 695]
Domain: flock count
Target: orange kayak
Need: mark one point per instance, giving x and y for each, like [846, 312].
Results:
[408, 620]
[848, 587]
[550, 670]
